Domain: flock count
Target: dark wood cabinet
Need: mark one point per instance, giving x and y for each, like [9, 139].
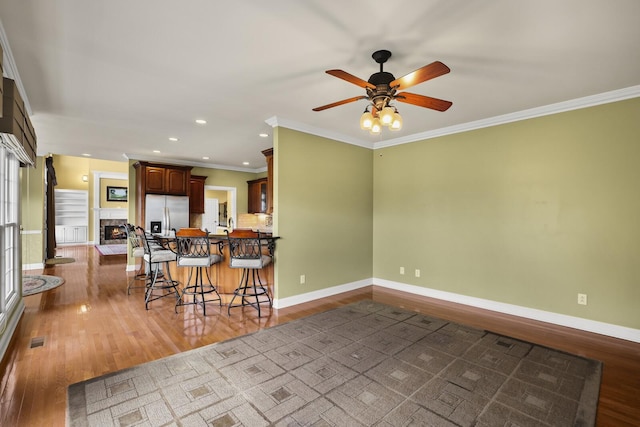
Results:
[154, 179]
[196, 194]
[268, 154]
[157, 178]
[257, 195]
[177, 181]
[163, 179]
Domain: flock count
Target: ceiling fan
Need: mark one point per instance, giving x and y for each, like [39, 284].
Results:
[382, 88]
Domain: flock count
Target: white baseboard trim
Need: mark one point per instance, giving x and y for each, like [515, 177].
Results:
[594, 326]
[601, 328]
[5, 337]
[321, 293]
[35, 266]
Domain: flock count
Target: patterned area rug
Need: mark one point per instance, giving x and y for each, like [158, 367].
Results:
[360, 365]
[36, 284]
[112, 249]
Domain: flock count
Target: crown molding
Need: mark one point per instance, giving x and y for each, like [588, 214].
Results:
[10, 68]
[290, 124]
[560, 107]
[193, 164]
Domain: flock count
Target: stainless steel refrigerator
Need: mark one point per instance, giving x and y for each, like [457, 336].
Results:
[163, 213]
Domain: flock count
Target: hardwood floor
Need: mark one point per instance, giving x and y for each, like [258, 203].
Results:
[91, 327]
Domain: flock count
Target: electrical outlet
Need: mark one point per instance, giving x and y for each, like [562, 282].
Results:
[582, 299]
[401, 270]
[417, 273]
[303, 279]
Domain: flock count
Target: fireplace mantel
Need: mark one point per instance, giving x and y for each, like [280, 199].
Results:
[112, 213]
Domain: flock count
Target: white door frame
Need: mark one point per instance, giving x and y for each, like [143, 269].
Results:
[231, 204]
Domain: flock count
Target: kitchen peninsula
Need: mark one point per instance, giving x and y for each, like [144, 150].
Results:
[156, 180]
[223, 277]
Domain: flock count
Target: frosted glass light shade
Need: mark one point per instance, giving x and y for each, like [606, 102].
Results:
[366, 120]
[396, 123]
[376, 127]
[386, 116]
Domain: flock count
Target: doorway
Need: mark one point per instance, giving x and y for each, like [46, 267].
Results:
[219, 208]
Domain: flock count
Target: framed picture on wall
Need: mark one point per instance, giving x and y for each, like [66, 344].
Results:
[116, 194]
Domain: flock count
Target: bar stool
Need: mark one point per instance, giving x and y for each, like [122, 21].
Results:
[245, 252]
[193, 249]
[162, 282]
[137, 251]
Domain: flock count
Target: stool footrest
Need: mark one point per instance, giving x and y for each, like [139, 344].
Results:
[198, 290]
[250, 293]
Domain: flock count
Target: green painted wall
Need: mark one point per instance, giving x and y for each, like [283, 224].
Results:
[32, 212]
[323, 212]
[529, 213]
[227, 178]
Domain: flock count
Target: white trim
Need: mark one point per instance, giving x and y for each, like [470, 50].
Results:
[97, 175]
[36, 266]
[7, 333]
[153, 159]
[113, 213]
[594, 326]
[560, 107]
[321, 293]
[302, 127]
[30, 232]
[11, 69]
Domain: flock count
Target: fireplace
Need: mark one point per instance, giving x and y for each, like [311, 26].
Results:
[112, 231]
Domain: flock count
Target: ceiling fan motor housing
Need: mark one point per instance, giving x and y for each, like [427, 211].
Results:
[382, 94]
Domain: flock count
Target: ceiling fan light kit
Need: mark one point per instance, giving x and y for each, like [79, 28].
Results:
[382, 89]
[366, 120]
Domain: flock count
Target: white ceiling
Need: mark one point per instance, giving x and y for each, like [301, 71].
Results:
[117, 78]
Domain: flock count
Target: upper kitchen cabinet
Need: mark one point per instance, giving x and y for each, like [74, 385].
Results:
[257, 196]
[156, 178]
[196, 194]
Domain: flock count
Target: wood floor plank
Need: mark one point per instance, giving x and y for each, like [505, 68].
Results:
[92, 327]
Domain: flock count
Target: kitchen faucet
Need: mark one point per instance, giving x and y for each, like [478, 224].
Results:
[230, 223]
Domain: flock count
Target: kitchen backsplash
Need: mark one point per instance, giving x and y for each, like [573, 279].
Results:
[260, 222]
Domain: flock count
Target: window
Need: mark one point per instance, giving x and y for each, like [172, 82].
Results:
[9, 233]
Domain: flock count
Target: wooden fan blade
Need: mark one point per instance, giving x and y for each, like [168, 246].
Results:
[351, 78]
[428, 72]
[344, 101]
[424, 101]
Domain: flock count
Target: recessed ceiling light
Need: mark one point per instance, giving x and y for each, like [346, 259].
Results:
[156, 151]
[201, 121]
[173, 139]
[264, 135]
[205, 158]
[86, 154]
[245, 163]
